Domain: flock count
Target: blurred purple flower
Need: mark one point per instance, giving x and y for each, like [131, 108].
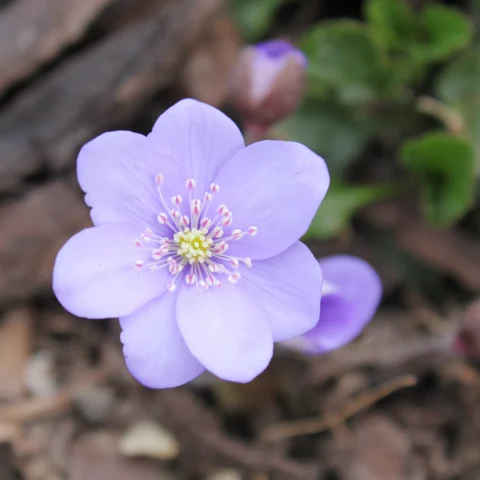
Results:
[180, 213]
[351, 293]
[268, 82]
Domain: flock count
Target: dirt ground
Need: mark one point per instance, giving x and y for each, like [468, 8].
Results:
[397, 404]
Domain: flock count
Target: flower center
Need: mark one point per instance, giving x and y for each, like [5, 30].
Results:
[197, 243]
[193, 245]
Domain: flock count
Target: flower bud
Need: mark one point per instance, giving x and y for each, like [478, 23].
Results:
[467, 339]
[268, 82]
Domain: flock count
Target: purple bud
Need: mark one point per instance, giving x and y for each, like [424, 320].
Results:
[467, 339]
[268, 82]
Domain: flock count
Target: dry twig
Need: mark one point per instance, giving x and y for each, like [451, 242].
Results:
[281, 431]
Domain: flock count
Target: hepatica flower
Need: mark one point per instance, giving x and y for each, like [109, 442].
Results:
[351, 292]
[268, 82]
[195, 245]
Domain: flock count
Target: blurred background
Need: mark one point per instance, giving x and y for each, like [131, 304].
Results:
[392, 104]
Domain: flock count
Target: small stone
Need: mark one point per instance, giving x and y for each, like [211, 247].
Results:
[95, 456]
[225, 474]
[149, 439]
[40, 376]
[381, 450]
[94, 402]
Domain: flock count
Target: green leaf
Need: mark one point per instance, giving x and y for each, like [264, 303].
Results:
[431, 36]
[458, 86]
[255, 17]
[393, 20]
[459, 82]
[345, 55]
[443, 31]
[330, 130]
[445, 166]
[340, 204]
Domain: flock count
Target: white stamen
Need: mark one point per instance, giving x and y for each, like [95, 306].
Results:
[214, 188]
[222, 210]
[206, 223]
[234, 277]
[217, 232]
[157, 254]
[162, 218]
[196, 205]
[196, 243]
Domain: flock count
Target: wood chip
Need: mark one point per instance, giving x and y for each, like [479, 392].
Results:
[34, 31]
[205, 75]
[100, 88]
[8, 432]
[15, 345]
[33, 230]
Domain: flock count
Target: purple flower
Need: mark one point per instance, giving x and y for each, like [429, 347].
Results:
[195, 245]
[268, 82]
[280, 50]
[351, 292]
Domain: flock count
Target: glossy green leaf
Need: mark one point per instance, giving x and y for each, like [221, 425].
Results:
[340, 205]
[443, 31]
[330, 130]
[345, 55]
[445, 166]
